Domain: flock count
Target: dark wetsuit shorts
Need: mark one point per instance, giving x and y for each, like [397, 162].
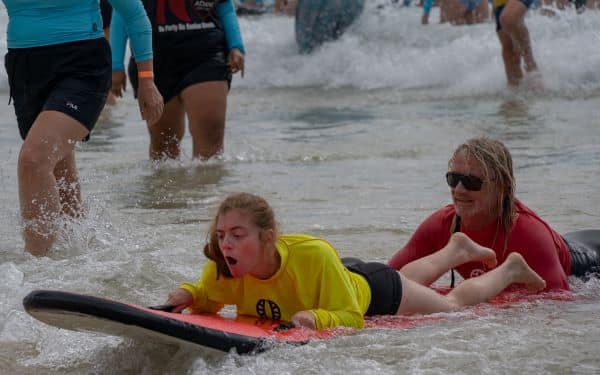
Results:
[385, 283]
[73, 78]
[172, 74]
[498, 11]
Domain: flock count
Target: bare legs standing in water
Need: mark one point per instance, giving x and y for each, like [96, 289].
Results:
[515, 40]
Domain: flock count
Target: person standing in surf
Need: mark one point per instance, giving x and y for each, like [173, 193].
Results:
[458, 12]
[59, 73]
[485, 208]
[514, 38]
[301, 279]
[197, 48]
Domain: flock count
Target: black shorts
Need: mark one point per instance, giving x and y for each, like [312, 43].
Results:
[385, 283]
[73, 78]
[172, 76]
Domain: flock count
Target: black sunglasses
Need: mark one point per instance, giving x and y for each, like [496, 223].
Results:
[472, 183]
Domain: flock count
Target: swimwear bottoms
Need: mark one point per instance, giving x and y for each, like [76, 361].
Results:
[174, 73]
[470, 5]
[73, 78]
[385, 283]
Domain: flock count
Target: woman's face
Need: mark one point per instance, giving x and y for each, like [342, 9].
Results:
[475, 208]
[240, 242]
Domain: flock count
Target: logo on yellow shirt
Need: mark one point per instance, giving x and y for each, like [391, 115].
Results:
[268, 309]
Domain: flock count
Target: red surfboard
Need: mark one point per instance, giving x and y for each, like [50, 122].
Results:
[245, 334]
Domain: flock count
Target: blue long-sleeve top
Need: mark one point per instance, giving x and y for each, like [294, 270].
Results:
[427, 4]
[225, 12]
[36, 23]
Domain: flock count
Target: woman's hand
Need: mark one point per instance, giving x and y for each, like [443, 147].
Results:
[180, 298]
[304, 319]
[150, 100]
[235, 61]
[119, 83]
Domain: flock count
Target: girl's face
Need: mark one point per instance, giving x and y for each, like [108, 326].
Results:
[477, 208]
[240, 242]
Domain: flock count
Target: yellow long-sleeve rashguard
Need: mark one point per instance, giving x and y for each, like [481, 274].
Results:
[311, 277]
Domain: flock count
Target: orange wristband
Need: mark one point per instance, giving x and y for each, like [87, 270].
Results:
[145, 74]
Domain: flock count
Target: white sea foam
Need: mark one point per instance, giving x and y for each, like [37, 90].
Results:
[390, 48]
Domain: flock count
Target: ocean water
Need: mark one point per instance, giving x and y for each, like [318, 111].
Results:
[349, 143]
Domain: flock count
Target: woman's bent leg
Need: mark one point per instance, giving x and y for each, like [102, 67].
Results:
[460, 249]
[419, 299]
[485, 287]
[50, 140]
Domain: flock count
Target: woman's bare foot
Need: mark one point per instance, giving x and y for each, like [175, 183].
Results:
[470, 251]
[523, 274]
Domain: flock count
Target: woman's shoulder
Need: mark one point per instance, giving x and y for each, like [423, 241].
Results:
[441, 219]
[292, 238]
[445, 211]
[527, 217]
[300, 239]
[305, 245]
[530, 226]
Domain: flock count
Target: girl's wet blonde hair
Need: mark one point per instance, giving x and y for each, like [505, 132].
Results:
[261, 215]
[496, 164]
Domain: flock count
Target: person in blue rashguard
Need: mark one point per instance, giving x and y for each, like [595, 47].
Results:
[197, 48]
[59, 73]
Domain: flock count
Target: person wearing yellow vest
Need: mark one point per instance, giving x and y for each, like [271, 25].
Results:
[301, 279]
[514, 38]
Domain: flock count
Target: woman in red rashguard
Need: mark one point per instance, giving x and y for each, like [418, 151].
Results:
[484, 207]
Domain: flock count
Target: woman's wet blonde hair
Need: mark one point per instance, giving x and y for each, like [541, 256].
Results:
[496, 164]
[261, 215]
